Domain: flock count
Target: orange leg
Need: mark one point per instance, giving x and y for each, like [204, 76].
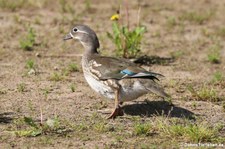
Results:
[118, 110]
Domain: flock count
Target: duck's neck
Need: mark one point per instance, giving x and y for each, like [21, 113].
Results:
[90, 49]
[89, 53]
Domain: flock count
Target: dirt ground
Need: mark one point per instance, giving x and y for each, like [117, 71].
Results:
[189, 31]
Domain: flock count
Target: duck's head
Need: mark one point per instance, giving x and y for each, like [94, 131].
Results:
[86, 36]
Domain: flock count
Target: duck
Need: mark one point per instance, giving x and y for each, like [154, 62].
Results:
[117, 79]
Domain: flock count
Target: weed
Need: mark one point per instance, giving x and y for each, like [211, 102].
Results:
[142, 129]
[181, 28]
[81, 127]
[30, 128]
[11, 4]
[21, 87]
[66, 7]
[196, 17]
[127, 41]
[29, 41]
[171, 22]
[73, 87]
[46, 91]
[206, 32]
[207, 94]
[30, 64]
[220, 32]
[204, 93]
[186, 130]
[37, 21]
[194, 105]
[177, 54]
[218, 77]
[73, 67]
[223, 105]
[87, 4]
[214, 54]
[56, 77]
[100, 127]
[196, 133]
[156, 34]
[17, 19]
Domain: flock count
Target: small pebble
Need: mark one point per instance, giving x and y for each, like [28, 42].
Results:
[37, 54]
[56, 68]
[32, 72]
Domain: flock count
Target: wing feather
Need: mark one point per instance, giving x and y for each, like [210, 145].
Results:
[111, 68]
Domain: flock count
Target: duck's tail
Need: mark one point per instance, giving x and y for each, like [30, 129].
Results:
[155, 88]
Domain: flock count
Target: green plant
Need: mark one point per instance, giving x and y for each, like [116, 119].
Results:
[207, 93]
[100, 127]
[73, 87]
[177, 54]
[56, 77]
[196, 133]
[193, 104]
[196, 17]
[66, 7]
[184, 129]
[218, 76]
[214, 54]
[21, 87]
[171, 22]
[30, 64]
[223, 105]
[127, 41]
[11, 4]
[87, 4]
[204, 93]
[220, 32]
[142, 129]
[29, 128]
[46, 91]
[29, 41]
[73, 67]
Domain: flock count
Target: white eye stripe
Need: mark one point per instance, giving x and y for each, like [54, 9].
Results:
[82, 32]
[78, 31]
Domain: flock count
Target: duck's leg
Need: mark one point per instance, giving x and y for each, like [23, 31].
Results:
[118, 110]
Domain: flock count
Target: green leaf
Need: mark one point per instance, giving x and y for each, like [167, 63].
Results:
[28, 133]
[30, 122]
[35, 132]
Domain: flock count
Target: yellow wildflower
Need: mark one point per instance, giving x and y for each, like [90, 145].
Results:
[115, 17]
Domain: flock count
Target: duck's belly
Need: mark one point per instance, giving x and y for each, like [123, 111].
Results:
[99, 87]
[127, 92]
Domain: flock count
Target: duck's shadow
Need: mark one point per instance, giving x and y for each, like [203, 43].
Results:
[6, 117]
[150, 60]
[151, 108]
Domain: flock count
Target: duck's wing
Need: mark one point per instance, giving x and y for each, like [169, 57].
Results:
[112, 68]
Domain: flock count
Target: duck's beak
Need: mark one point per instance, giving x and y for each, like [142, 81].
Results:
[67, 37]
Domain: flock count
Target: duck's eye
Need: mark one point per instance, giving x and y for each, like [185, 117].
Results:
[75, 30]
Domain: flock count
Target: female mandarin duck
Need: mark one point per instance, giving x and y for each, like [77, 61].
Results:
[117, 79]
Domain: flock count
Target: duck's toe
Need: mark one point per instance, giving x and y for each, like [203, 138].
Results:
[118, 111]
